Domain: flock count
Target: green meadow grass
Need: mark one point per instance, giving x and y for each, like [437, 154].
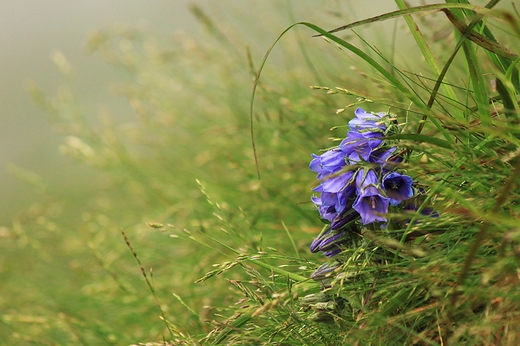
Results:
[188, 239]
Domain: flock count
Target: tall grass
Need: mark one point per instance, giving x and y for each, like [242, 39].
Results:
[181, 243]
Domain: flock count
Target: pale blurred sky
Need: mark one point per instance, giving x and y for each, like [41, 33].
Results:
[29, 31]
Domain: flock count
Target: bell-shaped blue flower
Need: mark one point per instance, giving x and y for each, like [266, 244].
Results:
[327, 212]
[398, 187]
[371, 205]
[359, 146]
[332, 205]
[336, 182]
[367, 122]
[331, 161]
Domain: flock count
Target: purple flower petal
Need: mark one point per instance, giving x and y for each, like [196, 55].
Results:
[330, 205]
[398, 187]
[332, 253]
[381, 156]
[359, 146]
[371, 205]
[332, 241]
[356, 141]
[338, 182]
[329, 162]
[315, 245]
[365, 179]
[326, 212]
[323, 270]
[367, 121]
[341, 220]
[315, 164]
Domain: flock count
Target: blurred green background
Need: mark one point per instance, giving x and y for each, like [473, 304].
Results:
[30, 31]
[143, 98]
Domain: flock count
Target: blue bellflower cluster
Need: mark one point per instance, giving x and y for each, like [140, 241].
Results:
[358, 181]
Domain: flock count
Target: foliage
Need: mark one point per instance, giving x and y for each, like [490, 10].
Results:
[229, 252]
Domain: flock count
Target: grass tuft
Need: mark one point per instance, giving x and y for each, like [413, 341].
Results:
[181, 173]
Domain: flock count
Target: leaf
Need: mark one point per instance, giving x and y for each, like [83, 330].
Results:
[423, 139]
[428, 55]
[418, 9]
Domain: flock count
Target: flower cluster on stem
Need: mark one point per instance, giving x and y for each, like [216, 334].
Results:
[358, 181]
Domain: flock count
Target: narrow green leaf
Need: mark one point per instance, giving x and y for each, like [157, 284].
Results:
[419, 10]
[501, 62]
[423, 139]
[428, 55]
[237, 323]
[278, 270]
[478, 82]
[510, 107]
[477, 38]
[291, 239]
[481, 40]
